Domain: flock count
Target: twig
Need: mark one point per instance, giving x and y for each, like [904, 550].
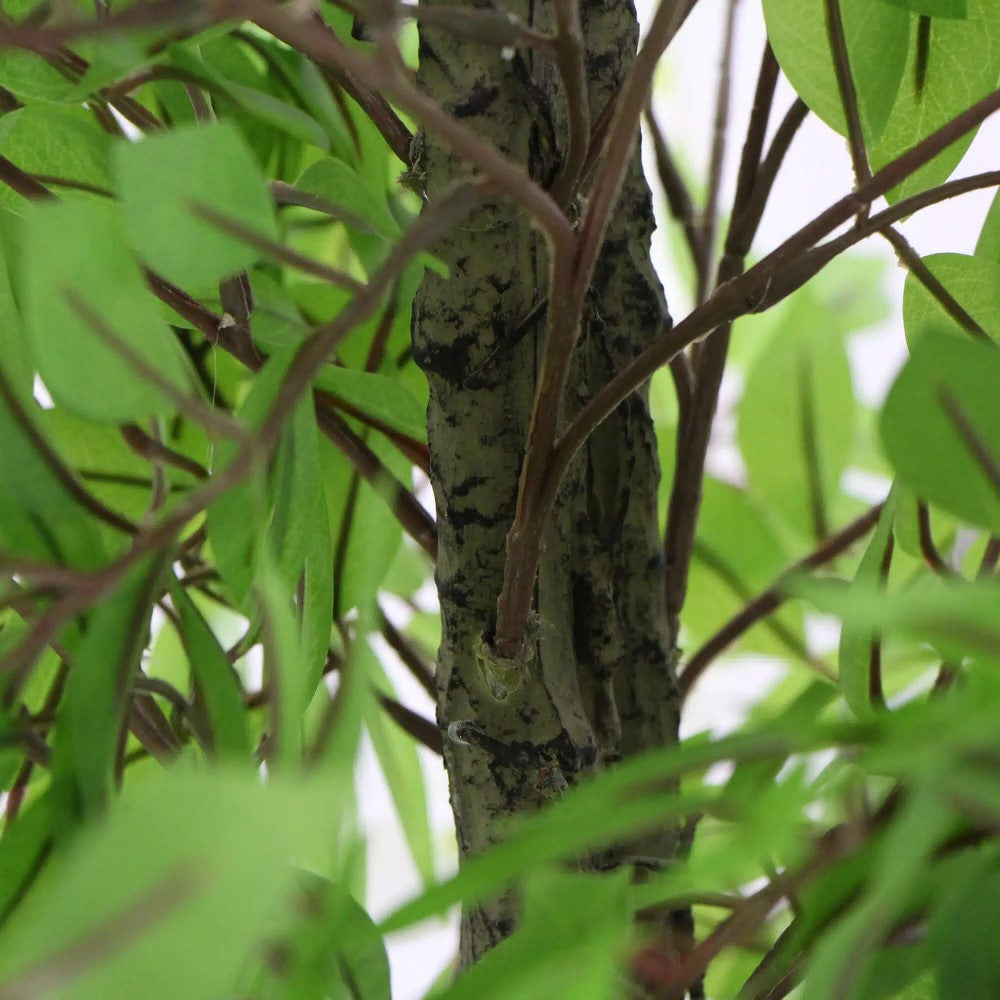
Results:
[422, 730]
[571, 57]
[927, 547]
[409, 655]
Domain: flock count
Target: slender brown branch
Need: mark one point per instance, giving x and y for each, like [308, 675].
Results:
[414, 724]
[751, 290]
[409, 655]
[980, 450]
[720, 133]
[149, 448]
[769, 600]
[571, 57]
[928, 549]
[679, 199]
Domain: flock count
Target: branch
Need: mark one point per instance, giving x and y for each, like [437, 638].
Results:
[571, 57]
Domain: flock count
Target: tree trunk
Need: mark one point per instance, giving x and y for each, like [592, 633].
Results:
[602, 683]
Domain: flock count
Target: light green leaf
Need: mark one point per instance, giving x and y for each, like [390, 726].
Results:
[174, 890]
[79, 248]
[962, 67]
[29, 77]
[934, 8]
[400, 765]
[573, 932]
[877, 37]
[62, 143]
[941, 425]
[988, 246]
[974, 282]
[856, 644]
[338, 183]
[163, 176]
[797, 419]
[218, 693]
[317, 594]
[378, 396]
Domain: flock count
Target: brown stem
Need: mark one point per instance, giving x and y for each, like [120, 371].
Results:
[571, 57]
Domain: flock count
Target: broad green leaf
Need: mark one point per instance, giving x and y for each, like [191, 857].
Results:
[174, 890]
[61, 143]
[39, 516]
[338, 183]
[573, 932]
[78, 249]
[962, 68]
[23, 848]
[92, 708]
[877, 35]
[261, 105]
[934, 8]
[336, 951]
[218, 693]
[161, 177]
[941, 426]
[400, 765]
[988, 247]
[856, 644]
[974, 282]
[738, 552]
[962, 929]
[378, 396]
[30, 78]
[796, 420]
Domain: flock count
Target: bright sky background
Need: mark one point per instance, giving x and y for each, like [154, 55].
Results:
[816, 173]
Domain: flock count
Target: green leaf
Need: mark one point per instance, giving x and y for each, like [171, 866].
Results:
[218, 692]
[378, 396]
[400, 765]
[161, 177]
[962, 68]
[941, 425]
[317, 595]
[962, 930]
[797, 418]
[261, 105]
[856, 644]
[339, 184]
[974, 282]
[934, 8]
[39, 516]
[738, 552]
[92, 707]
[62, 143]
[988, 247]
[174, 891]
[877, 36]
[573, 932]
[23, 848]
[30, 78]
[79, 248]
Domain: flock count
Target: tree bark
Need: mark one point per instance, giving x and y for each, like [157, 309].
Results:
[602, 683]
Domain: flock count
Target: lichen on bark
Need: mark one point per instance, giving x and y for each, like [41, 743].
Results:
[599, 683]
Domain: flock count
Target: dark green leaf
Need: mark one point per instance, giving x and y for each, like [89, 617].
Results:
[218, 692]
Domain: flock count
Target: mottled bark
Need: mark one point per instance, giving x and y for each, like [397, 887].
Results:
[601, 685]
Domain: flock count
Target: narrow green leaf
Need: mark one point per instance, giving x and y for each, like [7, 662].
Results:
[941, 425]
[974, 282]
[877, 35]
[963, 63]
[217, 688]
[796, 420]
[338, 183]
[163, 176]
[856, 644]
[79, 248]
[400, 765]
[317, 596]
[92, 707]
[378, 396]
[934, 8]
